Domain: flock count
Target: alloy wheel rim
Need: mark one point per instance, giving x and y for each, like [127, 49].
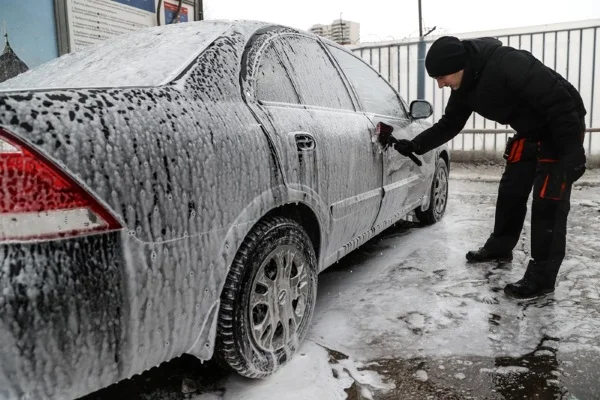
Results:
[278, 301]
[440, 192]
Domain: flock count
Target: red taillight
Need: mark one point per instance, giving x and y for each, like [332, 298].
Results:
[38, 200]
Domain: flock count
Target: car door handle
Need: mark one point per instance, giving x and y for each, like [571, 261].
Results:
[305, 142]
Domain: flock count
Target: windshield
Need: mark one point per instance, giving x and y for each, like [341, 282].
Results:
[150, 57]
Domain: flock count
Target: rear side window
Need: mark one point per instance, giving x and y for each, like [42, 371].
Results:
[319, 82]
[376, 95]
[272, 81]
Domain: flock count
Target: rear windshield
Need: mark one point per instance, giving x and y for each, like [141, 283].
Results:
[150, 57]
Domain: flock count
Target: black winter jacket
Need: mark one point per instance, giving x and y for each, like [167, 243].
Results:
[511, 87]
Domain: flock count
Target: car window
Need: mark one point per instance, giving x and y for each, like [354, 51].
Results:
[272, 81]
[375, 93]
[319, 82]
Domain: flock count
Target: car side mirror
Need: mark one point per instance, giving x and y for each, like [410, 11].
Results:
[420, 109]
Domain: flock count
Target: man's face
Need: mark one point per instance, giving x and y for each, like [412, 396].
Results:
[453, 80]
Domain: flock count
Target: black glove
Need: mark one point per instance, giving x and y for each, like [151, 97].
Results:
[405, 147]
[572, 165]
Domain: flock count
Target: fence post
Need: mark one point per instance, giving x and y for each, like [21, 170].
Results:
[421, 70]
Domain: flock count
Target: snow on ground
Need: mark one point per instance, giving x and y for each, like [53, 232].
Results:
[412, 294]
[406, 315]
[309, 377]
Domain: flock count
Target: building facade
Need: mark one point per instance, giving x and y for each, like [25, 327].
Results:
[340, 31]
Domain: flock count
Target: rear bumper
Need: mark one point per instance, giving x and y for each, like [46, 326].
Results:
[61, 316]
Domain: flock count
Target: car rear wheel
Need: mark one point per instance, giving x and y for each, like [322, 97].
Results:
[268, 299]
[439, 196]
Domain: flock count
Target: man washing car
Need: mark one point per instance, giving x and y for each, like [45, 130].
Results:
[512, 87]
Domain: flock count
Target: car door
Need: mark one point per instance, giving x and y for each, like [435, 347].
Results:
[404, 183]
[325, 145]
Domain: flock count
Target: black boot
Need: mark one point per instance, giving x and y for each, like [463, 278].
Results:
[483, 255]
[538, 281]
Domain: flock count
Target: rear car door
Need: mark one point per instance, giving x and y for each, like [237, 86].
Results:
[404, 182]
[325, 144]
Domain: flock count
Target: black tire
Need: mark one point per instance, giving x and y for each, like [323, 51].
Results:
[257, 283]
[439, 196]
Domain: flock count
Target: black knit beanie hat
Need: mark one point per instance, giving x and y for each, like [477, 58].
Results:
[446, 56]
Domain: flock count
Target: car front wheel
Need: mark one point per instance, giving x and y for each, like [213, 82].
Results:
[268, 299]
[439, 196]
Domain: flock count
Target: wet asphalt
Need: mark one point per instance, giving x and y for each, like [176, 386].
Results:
[563, 364]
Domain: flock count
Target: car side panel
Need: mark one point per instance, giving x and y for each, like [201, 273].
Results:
[344, 168]
[405, 183]
[341, 164]
[176, 165]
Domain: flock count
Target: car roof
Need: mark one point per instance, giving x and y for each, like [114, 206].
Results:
[150, 57]
[146, 58]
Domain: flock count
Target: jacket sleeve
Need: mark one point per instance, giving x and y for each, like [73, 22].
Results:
[451, 123]
[532, 81]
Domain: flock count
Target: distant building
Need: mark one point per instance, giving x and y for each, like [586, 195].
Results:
[340, 31]
[10, 64]
[321, 30]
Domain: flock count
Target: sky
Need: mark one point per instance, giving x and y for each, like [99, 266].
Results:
[31, 34]
[392, 20]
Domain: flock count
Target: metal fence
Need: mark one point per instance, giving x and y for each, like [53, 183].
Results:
[574, 52]
[488, 144]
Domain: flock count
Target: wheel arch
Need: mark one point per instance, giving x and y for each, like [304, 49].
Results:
[299, 203]
[305, 217]
[444, 155]
[426, 215]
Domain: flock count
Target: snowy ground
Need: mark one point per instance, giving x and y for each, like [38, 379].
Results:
[405, 317]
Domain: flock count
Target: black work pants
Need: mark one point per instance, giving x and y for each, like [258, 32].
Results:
[532, 165]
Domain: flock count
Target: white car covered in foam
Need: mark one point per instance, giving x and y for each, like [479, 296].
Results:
[153, 205]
